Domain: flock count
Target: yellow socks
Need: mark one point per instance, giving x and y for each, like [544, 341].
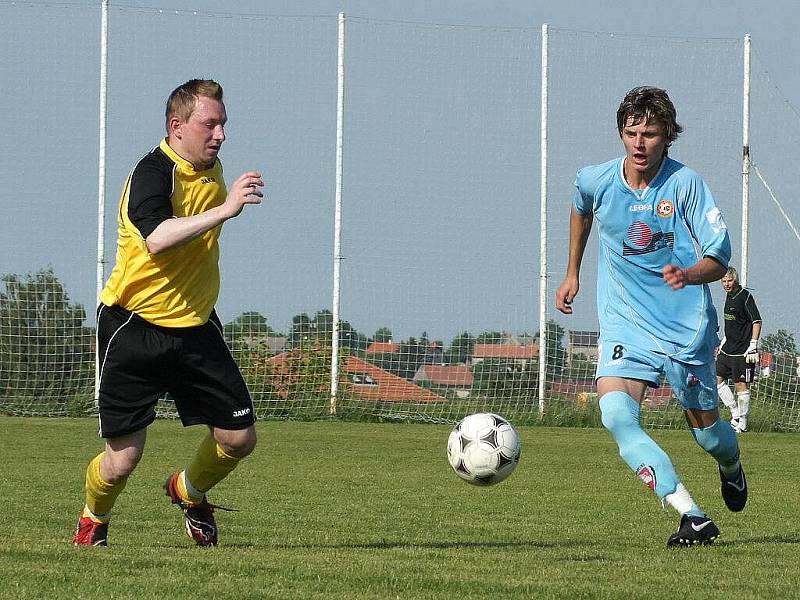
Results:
[100, 495]
[209, 466]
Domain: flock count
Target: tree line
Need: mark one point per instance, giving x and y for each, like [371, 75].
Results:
[47, 351]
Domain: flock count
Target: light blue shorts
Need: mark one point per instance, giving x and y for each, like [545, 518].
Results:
[695, 386]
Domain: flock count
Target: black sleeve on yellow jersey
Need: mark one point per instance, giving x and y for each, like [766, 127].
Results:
[150, 191]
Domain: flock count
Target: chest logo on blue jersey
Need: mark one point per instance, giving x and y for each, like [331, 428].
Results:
[664, 208]
[643, 240]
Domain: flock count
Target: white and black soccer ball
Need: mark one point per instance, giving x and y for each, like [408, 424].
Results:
[483, 449]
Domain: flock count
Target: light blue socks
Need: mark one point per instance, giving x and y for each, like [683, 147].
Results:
[620, 414]
[720, 441]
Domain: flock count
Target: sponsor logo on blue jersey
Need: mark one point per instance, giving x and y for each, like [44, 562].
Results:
[643, 240]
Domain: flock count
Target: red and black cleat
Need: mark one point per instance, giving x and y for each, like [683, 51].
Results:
[90, 533]
[198, 518]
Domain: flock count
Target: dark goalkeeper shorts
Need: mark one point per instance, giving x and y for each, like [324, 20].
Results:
[139, 362]
[735, 368]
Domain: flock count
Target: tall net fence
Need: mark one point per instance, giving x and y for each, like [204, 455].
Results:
[440, 234]
[279, 77]
[774, 248]
[440, 228]
[47, 242]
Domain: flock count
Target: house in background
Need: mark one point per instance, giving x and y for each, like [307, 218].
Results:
[583, 342]
[525, 339]
[363, 380]
[457, 378]
[383, 347]
[514, 352]
[276, 343]
[435, 354]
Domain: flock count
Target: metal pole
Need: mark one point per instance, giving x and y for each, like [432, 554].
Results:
[543, 227]
[745, 164]
[337, 233]
[101, 168]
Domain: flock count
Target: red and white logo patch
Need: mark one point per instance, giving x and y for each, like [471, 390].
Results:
[664, 208]
[640, 234]
[648, 476]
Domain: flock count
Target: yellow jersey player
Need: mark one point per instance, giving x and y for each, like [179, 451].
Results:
[157, 330]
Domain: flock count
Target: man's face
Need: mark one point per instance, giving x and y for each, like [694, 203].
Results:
[644, 145]
[199, 139]
[728, 283]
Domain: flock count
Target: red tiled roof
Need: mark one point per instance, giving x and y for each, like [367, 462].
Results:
[455, 375]
[505, 351]
[383, 386]
[379, 347]
[389, 388]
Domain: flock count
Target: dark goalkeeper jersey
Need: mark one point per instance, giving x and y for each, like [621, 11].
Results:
[740, 314]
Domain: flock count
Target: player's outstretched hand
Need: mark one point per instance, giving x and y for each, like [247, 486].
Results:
[566, 293]
[675, 277]
[245, 190]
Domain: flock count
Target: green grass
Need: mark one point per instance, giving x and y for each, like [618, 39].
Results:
[371, 510]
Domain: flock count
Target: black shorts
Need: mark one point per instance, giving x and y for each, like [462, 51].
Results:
[139, 362]
[735, 368]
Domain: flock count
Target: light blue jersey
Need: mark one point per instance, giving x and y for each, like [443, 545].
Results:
[675, 220]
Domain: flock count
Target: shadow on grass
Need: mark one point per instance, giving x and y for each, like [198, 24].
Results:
[764, 539]
[390, 545]
[220, 548]
[522, 545]
[383, 545]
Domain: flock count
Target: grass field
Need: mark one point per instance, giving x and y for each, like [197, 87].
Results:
[363, 510]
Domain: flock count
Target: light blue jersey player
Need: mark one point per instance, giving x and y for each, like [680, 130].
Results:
[662, 240]
[672, 221]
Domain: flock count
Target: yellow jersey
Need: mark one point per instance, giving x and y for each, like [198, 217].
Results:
[178, 287]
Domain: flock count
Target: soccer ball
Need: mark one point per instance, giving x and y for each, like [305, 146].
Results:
[483, 449]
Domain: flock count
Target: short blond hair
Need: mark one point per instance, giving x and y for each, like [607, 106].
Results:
[183, 99]
[733, 274]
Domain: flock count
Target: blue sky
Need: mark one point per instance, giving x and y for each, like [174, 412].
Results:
[441, 153]
[772, 24]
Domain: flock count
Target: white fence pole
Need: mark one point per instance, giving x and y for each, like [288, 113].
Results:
[745, 163]
[337, 225]
[101, 165]
[543, 227]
